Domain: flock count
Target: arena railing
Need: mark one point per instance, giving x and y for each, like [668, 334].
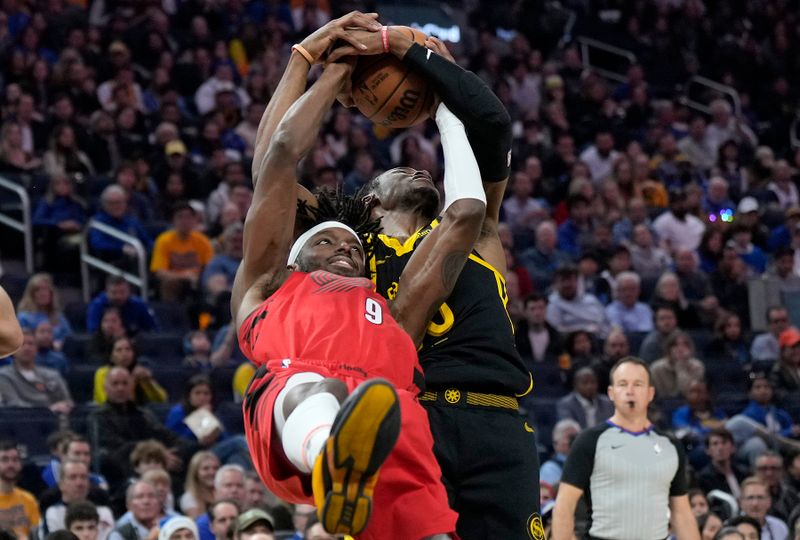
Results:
[587, 44]
[722, 90]
[24, 226]
[89, 260]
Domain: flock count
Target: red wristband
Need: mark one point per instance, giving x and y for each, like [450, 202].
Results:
[385, 38]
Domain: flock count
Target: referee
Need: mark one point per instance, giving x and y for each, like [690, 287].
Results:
[634, 477]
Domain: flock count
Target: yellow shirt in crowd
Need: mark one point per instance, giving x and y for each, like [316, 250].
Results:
[171, 252]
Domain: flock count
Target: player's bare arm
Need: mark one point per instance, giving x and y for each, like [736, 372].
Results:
[433, 269]
[487, 123]
[564, 512]
[269, 225]
[10, 332]
[294, 79]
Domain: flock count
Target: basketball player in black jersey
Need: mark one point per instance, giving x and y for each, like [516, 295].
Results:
[473, 373]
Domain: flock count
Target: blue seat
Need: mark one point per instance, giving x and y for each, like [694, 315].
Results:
[80, 380]
[75, 347]
[171, 317]
[161, 345]
[230, 414]
[29, 427]
[547, 381]
[75, 312]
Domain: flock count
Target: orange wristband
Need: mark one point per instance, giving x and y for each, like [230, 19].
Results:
[304, 53]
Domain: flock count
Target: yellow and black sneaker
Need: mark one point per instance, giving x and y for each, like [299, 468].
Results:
[345, 473]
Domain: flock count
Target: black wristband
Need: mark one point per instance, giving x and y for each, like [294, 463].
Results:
[485, 119]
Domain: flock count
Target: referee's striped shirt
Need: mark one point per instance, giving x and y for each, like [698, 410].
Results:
[627, 479]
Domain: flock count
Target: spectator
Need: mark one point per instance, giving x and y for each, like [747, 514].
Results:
[693, 282]
[615, 348]
[722, 472]
[584, 404]
[24, 384]
[233, 175]
[198, 396]
[781, 236]
[125, 424]
[653, 345]
[600, 156]
[536, 339]
[716, 203]
[698, 501]
[255, 522]
[222, 517]
[668, 292]
[710, 250]
[648, 260]
[522, 212]
[59, 216]
[13, 157]
[673, 374]
[730, 284]
[226, 261]
[82, 520]
[765, 347]
[724, 127]
[19, 511]
[140, 206]
[755, 501]
[785, 374]
[123, 354]
[198, 493]
[102, 341]
[697, 146]
[46, 355]
[72, 447]
[769, 469]
[180, 254]
[676, 227]
[729, 343]
[542, 260]
[751, 254]
[142, 503]
[783, 186]
[626, 311]
[221, 81]
[178, 528]
[114, 213]
[228, 486]
[567, 311]
[73, 483]
[748, 215]
[782, 276]
[576, 231]
[771, 421]
[564, 432]
[709, 525]
[64, 157]
[40, 302]
[136, 314]
[693, 421]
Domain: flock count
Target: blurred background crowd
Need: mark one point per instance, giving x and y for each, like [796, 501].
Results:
[652, 209]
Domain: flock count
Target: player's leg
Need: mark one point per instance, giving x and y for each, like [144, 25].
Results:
[496, 491]
[361, 438]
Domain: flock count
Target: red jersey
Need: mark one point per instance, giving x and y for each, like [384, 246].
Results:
[336, 322]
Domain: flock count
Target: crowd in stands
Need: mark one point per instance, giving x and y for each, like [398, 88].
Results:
[634, 223]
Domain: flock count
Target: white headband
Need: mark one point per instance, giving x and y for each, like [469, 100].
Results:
[306, 236]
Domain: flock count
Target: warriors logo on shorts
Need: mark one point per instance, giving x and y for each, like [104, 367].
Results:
[535, 527]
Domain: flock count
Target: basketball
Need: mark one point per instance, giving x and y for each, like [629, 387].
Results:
[389, 92]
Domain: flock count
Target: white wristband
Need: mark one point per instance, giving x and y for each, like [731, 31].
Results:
[462, 177]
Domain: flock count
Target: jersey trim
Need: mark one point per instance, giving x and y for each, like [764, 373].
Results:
[645, 431]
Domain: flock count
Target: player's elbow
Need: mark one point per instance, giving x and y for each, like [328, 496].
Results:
[467, 212]
[285, 146]
[11, 339]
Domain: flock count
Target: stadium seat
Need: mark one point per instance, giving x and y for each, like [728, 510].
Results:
[75, 348]
[30, 427]
[231, 416]
[80, 380]
[547, 381]
[542, 416]
[171, 317]
[161, 346]
[75, 312]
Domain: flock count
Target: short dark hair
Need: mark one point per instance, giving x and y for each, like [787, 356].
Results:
[80, 511]
[736, 520]
[8, 444]
[754, 376]
[783, 251]
[180, 206]
[217, 503]
[534, 297]
[630, 360]
[114, 279]
[576, 199]
[720, 432]
[566, 270]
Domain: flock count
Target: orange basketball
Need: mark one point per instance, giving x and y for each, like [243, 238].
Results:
[389, 92]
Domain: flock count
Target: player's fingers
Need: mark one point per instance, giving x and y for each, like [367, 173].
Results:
[367, 21]
[340, 52]
[353, 40]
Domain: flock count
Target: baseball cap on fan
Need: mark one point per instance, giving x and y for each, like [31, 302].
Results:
[747, 204]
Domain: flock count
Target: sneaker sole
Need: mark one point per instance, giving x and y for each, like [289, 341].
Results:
[345, 474]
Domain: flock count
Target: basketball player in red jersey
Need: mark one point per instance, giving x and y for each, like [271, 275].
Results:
[10, 331]
[319, 331]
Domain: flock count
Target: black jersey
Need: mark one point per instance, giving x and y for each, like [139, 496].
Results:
[469, 343]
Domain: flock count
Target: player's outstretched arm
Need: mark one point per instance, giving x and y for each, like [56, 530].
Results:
[269, 225]
[431, 274]
[10, 332]
[684, 524]
[293, 81]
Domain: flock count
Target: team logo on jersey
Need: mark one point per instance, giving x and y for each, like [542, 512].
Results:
[535, 527]
[391, 292]
[329, 283]
[657, 448]
[451, 395]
